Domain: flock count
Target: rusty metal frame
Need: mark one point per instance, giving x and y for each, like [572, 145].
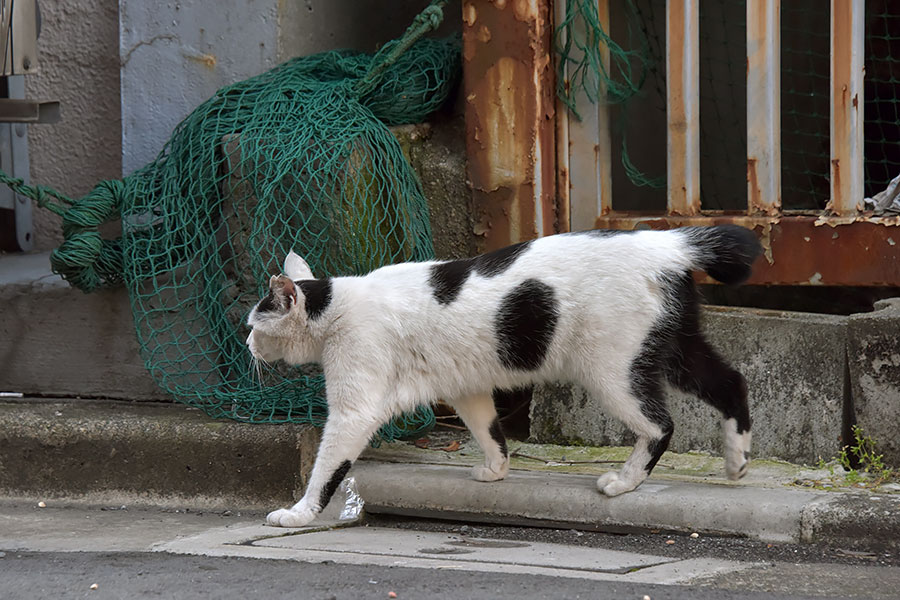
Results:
[683, 106]
[847, 119]
[584, 177]
[508, 80]
[843, 245]
[525, 175]
[764, 107]
[799, 249]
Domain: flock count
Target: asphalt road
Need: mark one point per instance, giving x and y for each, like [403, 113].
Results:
[27, 575]
[59, 552]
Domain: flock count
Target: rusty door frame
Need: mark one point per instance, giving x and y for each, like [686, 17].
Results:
[842, 245]
[509, 87]
[527, 181]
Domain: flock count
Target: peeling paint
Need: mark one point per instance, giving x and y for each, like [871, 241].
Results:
[510, 120]
[470, 15]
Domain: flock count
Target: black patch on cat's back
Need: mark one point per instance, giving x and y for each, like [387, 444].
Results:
[447, 278]
[318, 295]
[336, 478]
[496, 262]
[525, 324]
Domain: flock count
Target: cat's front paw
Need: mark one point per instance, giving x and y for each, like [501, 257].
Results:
[610, 484]
[485, 473]
[284, 517]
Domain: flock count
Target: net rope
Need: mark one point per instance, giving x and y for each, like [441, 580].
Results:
[300, 157]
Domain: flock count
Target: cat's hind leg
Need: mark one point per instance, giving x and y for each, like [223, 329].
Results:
[480, 416]
[647, 416]
[698, 369]
[343, 439]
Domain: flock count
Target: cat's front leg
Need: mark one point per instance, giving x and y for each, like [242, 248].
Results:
[480, 416]
[343, 439]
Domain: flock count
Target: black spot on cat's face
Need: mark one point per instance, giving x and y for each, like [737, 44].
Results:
[525, 324]
[267, 304]
[318, 296]
[448, 278]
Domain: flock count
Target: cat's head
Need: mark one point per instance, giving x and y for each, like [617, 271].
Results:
[279, 321]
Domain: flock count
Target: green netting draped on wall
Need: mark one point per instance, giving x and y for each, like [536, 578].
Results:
[298, 157]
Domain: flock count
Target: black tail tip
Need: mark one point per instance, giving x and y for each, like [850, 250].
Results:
[729, 252]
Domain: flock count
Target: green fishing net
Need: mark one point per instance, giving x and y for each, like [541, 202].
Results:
[299, 157]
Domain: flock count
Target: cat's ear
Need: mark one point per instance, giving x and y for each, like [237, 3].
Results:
[296, 268]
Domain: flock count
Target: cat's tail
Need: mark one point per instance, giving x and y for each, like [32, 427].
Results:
[725, 252]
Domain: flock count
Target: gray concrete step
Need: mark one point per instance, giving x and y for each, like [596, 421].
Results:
[114, 453]
[158, 454]
[58, 341]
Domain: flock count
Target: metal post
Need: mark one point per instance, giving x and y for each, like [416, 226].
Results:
[764, 107]
[847, 71]
[683, 106]
[510, 114]
[584, 145]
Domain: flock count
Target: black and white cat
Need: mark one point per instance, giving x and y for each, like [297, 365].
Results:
[614, 312]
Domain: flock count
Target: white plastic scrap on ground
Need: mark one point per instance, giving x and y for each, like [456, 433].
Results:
[886, 202]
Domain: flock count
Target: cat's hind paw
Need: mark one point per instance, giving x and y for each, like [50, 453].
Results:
[284, 517]
[485, 473]
[736, 464]
[737, 450]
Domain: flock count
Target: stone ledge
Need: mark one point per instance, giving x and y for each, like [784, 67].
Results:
[58, 341]
[148, 453]
[795, 367]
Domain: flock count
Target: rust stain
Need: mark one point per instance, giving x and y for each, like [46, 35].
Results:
[835, 202]
[855, 100]
[470, 15]
[798, 249]
[753, 183]
[510, 120]
[207, 60]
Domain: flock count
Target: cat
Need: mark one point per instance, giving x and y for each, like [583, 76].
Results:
[616, 312]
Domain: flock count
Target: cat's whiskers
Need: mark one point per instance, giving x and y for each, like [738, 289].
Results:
[256, 367]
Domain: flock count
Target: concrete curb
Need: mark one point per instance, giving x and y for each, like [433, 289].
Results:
[112, 453]
[115, 453]
[570, 500]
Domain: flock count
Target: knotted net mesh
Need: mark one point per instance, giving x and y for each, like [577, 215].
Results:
[299, 157]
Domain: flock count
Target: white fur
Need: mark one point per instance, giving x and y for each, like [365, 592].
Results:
[387, 345]
[737, 449]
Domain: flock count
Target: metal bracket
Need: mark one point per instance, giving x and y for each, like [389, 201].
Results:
[28, 111]
[14, 160]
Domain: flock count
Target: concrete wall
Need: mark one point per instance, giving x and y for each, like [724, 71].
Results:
[173, 55]
[809, 378]
[176, 55]
[79, 66]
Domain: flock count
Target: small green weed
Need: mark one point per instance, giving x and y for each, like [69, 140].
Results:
[861, 466]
